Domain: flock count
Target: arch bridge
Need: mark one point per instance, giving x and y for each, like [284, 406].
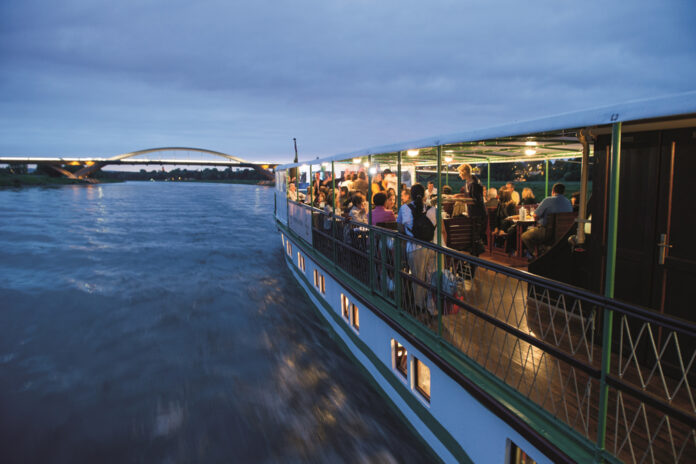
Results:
[90, 165]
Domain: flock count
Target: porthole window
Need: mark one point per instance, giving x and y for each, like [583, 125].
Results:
[400, 358]
[421, 378]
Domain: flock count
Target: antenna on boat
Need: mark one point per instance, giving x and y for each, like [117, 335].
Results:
[294, 140]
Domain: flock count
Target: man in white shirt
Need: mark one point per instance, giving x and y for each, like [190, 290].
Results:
[430, 192]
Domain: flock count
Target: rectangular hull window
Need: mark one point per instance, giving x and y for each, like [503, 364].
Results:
[421, 381]
[345, 306]
[289, 248]
[356, 316]
[517, 456]
[400, 358]
[320, 284]
[300, 261]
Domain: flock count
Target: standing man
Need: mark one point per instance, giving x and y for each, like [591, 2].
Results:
[431, 191]
[556, 203]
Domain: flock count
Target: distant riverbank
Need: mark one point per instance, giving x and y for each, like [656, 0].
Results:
[29, 180]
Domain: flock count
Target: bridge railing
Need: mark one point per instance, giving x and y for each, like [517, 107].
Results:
[542, 338]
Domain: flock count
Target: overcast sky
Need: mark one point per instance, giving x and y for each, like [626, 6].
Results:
[107, 77]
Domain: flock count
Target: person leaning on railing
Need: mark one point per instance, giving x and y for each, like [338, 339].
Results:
[421, 260]
[556, 203]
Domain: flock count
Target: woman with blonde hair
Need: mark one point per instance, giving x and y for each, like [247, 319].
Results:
[528, 196]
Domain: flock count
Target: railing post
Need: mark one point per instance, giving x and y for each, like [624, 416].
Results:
[546, 184]
[371, 233]
[488, 174]
[612, 226]
[397, 240]
[333, 218]
[438, 231]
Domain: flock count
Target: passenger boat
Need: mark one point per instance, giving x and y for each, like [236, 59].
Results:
[585, 355]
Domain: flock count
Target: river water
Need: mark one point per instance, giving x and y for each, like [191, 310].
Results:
[157, 322]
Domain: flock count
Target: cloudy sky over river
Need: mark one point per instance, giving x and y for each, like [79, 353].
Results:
[102, 78]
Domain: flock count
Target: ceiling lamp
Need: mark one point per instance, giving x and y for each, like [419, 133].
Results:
[448, 159]
[357, 160]
[412, 153]
[530, 152]
[373, 171]
[366, 164]
[530, 143]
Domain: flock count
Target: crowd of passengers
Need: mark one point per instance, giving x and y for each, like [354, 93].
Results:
[349, 199]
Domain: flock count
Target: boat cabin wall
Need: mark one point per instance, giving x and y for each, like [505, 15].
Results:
[655, 208]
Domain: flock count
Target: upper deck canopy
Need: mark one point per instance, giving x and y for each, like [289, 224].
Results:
[545, 138]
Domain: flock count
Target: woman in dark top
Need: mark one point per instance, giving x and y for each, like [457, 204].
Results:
[505, 228]
[528, 197]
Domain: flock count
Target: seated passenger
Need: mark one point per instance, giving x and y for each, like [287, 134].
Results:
[405, 195]
[377, 184]
[345, 201]
[492, 198]
[360, 184]
[527, 197]
[293, 193]
[556, 203]
[358, 212]
[380, 213]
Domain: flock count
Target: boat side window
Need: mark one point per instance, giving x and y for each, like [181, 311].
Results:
[421, 378]
[345, 307]
[399, 358]
[300, 261]
[289, 248]
[320, 283]
[282, 239]
[517, 456]
[355, 316]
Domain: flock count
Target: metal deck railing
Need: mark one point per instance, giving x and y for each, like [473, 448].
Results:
[542, 338]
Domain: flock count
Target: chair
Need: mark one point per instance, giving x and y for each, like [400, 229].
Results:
[460, 233]
[558, 225]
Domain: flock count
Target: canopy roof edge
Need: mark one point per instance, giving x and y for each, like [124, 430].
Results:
[671, 105]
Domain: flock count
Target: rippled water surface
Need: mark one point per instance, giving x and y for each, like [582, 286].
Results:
[157, 322]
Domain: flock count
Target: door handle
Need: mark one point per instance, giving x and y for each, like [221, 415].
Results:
[664, 246]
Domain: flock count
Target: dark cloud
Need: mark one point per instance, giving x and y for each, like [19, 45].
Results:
[244, 78]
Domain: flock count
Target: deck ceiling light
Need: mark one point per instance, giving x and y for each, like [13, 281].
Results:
[530, 152]
[373, 171]
[357, 160]
[366, 164]
[530, 143]
[412, 153]
[448, 159]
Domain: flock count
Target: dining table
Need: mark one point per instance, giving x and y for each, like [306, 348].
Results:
[521, 226]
